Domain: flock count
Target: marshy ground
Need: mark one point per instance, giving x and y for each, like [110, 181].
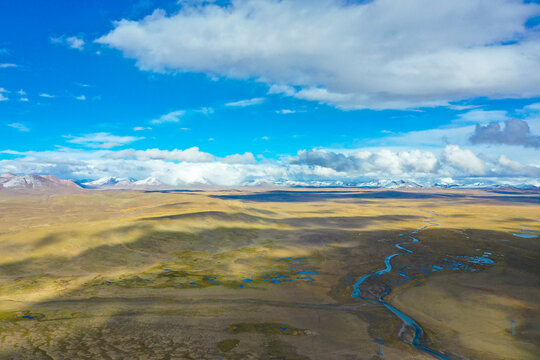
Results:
[268, 274]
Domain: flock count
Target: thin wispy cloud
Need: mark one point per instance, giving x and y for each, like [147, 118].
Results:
[72, 42]
[19, 126]
[46, 95]
[80, 97]
[8, 65]
[482, 116]
[245, 103]
[285, 111]
[102, 140]
[172, 117]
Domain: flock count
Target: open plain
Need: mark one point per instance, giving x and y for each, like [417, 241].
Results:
[270, 274]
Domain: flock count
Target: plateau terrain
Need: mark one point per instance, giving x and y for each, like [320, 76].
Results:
[270, 274]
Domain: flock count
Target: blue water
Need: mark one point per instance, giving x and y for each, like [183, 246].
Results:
[477, 259]
[406, 319]
[526, 236]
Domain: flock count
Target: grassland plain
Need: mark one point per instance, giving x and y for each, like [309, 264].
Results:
[266, 274]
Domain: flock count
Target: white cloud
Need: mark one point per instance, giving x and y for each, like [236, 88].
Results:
[482, 116]
[192, 155]
[173, 116]
[533, 107]
[205, 110]
[72, 42]
[7, 65]
[102, 140]
[141, 128]
[285, 111]
[45, 95]
[464, 159]
[21, 92]
[24, 99]
[519, 169]
[19, 126]
[454, 165]
[377, 54]
[3, 97]
[369, 163]
[245, 103]
[81, 97]
[245, 158]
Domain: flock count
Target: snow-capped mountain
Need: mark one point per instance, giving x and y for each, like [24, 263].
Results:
[122, 183]
[107, 182]
[391, 184]
[43, 182]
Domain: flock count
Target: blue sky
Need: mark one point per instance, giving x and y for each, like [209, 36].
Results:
[306, 92]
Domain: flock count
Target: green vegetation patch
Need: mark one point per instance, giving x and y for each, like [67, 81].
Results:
[228, 345]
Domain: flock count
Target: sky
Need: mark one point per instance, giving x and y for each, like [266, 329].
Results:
[268, 92]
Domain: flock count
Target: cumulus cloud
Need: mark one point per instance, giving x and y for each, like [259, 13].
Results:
[102, 140]
[245, 103]
[405, 163]
[515, 132]
[371, 54]
[3, 97]
[464, 159]
[312, 167]
[19, 126]
[72, 42]
[173, 116]
[245, 158]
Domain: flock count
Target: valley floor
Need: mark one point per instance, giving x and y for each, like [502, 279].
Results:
[269, 274]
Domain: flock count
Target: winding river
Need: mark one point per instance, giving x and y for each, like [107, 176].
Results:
[418, 332]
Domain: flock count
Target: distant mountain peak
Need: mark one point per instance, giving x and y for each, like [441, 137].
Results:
[111, 182]
[35, 182]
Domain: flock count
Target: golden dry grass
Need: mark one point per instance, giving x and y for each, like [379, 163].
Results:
[93, 269]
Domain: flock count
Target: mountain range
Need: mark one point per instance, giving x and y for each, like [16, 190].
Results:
[9, 181]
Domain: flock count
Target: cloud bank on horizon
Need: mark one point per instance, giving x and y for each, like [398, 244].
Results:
[303, 92]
